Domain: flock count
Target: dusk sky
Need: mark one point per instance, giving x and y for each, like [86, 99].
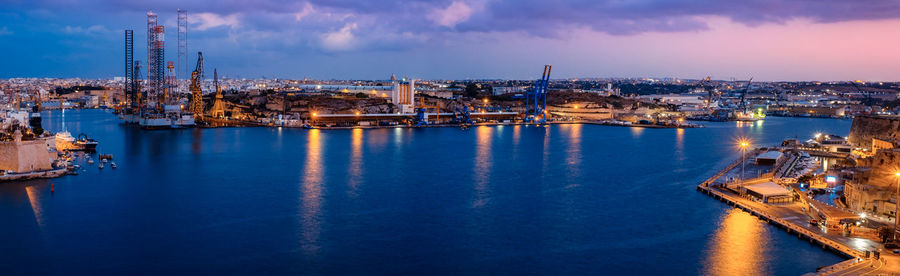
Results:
[459, 39]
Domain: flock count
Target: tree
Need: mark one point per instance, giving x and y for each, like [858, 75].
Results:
[471, 90]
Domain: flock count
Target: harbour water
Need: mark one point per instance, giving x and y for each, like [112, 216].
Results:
[564, 199]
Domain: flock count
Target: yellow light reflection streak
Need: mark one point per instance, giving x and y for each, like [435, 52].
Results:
[573, 156]
[355, 168]
[738, 245]
[482, 168]
[34, 197]
[636, 132]
[679, 144]
[517, 134]
[312, 194]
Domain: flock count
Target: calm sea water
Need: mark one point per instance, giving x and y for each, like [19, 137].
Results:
[566, 199]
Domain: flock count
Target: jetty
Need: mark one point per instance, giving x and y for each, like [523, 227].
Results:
[864, 255]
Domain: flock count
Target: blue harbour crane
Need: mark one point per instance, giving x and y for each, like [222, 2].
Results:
[536, 100]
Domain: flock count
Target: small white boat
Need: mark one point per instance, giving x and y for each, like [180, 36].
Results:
[90, 161]
[100, 166]
[112, 164]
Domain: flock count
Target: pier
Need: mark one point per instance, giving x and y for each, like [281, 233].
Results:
[794, 220]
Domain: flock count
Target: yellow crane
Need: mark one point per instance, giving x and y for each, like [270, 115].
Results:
[196, 106]
[218, 109]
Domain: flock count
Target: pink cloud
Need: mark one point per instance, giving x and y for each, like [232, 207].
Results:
[454, 14]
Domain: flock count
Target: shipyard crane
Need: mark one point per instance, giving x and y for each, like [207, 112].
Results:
[196, 106]
[218, 108]
[743, 104]
[536, 101]
[704, 83]
[422, 110]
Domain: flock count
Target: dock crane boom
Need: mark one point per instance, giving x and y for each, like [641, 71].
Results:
[536, 101]
[196, 106]
[744, 95]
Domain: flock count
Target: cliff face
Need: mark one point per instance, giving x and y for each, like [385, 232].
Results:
[865, 128]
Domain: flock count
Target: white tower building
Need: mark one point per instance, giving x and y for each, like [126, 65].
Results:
[403, 95]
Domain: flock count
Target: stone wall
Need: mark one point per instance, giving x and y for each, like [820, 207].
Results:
[865, 128]
[25, 156]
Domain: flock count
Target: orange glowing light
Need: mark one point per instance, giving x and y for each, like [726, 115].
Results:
[743, 143]
[315, 114]
[357, 113]
[485, 100]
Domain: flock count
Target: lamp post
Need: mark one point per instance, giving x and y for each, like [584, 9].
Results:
[897, 206]
[743, 144]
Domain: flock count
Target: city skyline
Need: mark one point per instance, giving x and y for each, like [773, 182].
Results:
[766, 40]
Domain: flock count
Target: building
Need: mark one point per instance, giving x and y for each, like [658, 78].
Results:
[373, 90]
[500, 90]
[879, 144]
[769, 158]
[871, 199]
[871, 186]
[403, 94]
[770, 192]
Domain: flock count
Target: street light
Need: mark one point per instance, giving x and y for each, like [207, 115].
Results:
[743, 144]
[897, 206]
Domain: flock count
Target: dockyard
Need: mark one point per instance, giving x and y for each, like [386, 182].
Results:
[796, 217]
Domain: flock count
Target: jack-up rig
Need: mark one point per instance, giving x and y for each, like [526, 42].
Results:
[161, 104]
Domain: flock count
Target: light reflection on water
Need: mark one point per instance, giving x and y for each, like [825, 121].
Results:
[483, 165]
[311, 194]
[636, 132]
[356, 161]
[573, 153]
[35, 196]
[400, 201]
[738, 246]
[679, 144]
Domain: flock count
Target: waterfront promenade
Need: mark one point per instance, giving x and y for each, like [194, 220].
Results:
[794, 219]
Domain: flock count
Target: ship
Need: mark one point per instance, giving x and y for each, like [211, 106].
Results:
[183, 120]
[66, 142]
[155, 121]
[84, 143]
[171, 117]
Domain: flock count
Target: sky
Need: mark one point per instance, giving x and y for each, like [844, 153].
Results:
[769, 40]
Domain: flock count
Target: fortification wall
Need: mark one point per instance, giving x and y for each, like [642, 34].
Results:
[864, 128]
[25, 156]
